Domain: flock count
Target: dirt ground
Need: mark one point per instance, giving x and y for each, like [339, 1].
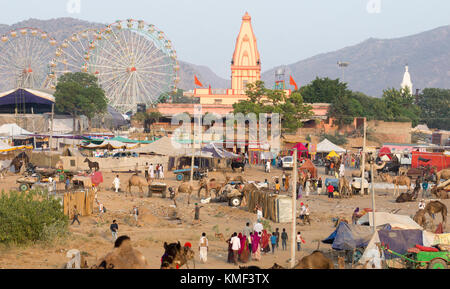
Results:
[94, 240]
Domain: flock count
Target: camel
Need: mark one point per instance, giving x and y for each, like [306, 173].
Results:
[341, 262]
[397, 181]
[276, 266]
[433, 207]
[344, 187]
[357, 174]
[440, 191]
[184, 188]
[176, 256]
[442, 174]
[316, 260]
[92, 165]
[136, 181]
[123, 256]
[210, 185]
[409, 197]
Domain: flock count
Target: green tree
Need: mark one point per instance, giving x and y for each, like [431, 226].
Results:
[435, 107]
[79, 94]
[400, 106]
[324, 90]
[177, 97]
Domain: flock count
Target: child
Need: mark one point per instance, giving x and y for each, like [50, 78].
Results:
[277, 187]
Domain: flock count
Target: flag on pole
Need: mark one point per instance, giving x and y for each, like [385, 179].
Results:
[292, 82]
[197, 82]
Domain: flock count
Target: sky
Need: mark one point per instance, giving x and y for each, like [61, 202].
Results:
[204, 31]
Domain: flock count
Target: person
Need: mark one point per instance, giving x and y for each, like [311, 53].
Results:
[258, 227]
[67, 184]
[203, 248]
[75, 215]
[247, 230]
[146, 171]
[246, 159]
[157, 171]
[422, 204]
[302, 211]
[250, 239]
[277, 233]
[277, 187]
[273, 241]
[114, 230]
[355, 215]
[265, 239]
[116, 183]
[151, 172]
[197, 213]
[342, 170]
[330, 189]
[300, 191]
[100, 211]
[230, 250]
[284, 238]
[161, 171]
[299, 240]
[424, 188]
[306, 218]
[307, 187]
[283, 180]
[259, 213]
[331, 168]
[319, 186]
[235, 246]
[256, 246]
[135, 213]
[244, 252]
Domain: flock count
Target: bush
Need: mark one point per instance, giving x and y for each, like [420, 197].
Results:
[30, 217]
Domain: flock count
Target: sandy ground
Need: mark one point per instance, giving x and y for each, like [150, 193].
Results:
[93, 236]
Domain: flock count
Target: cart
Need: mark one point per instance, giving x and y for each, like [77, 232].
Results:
[157, 188]
[30, 182]
[81, 183]
[185, 174]
[423, 260]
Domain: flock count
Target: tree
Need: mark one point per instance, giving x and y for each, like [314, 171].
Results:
[400, 106]
[79, 94]
[148, 119]
[434, 104]
[324, 90]
[177, 97]
[263, 100]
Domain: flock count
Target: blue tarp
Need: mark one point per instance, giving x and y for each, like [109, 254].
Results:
[349, 237]
[400, 241]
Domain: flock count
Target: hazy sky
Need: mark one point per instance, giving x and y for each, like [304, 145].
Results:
[204, 31]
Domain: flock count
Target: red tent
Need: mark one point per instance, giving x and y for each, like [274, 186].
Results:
[308, 165]
[385, 151]
[300, 149]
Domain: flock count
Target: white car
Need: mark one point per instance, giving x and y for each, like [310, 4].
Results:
[287, 162]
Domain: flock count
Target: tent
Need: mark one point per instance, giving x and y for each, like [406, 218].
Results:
[327, 146]
[385, 158]
[349, 237]
[308, 165]
[127, 140]
[162, 146]
[7, 148]
[33, 100]
[396, 221]
[300, 149]
[110, 145]
[12, 130]
[385, 151]
[332, 154]
[218, 152]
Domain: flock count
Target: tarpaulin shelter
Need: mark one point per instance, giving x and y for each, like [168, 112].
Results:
[110, 145]
[218, 152]
[309, 166]
[32, 100]
[395, 220]
[12, 130]
[349, 237]
[385, 151]
[7, 148]
[327, 146]
[162, 146]
[301, 148]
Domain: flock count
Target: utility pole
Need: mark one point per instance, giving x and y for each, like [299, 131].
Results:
[294, 209]
[373, 194]
[363, 163]
[51, 129]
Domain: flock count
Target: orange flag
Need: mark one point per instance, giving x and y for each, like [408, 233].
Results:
[292, 82]
[197, 82]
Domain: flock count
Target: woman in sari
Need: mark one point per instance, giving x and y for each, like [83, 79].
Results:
[256, 248]
[230, 251]
[265, 242]
[243, 251]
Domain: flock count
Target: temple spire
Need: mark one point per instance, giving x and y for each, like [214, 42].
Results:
[407, 80]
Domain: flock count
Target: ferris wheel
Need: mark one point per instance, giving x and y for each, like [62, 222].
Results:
[72, 54]
[134, 62]
[24, 57]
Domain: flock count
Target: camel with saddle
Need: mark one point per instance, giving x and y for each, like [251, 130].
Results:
[397, 181]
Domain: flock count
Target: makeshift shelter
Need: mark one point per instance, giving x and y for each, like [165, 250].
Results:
[32, 100]
[109, 145]
[12, 130]
[309, 166]
[332, 154]
[327, 146]
[162, 146]
[218, 152]
[385, 158]
[396, 221]
[385, 151]
[301, 149]
[349, 237]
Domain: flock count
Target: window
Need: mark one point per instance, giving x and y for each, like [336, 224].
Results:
[217, 101]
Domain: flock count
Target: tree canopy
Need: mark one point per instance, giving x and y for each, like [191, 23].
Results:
[435, 107]
[79, 94]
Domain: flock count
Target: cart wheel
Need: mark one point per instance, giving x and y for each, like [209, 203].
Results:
[23, 187]
[180, 177]
[235, 202]
[437, 264]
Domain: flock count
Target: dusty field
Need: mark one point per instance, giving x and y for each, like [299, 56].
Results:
[94, 238]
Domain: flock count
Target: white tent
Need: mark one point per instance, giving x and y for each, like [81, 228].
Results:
[397, 221]
[327, 146]
[12, 129]
[163, 146]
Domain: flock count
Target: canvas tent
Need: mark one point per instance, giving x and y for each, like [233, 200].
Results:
[33, 100]
[309, 166]
[349, 237]
[327, 146]
[385, 151]
[162, 146]
[12, 130]
[218, 152]
[396, 221]
[109, 144]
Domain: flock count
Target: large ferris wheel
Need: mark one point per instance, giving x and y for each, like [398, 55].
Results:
[24, 57]
[134, 62]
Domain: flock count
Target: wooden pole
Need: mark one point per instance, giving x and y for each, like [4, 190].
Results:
[51, 129]
[363, 162]
[373, 195]
[294, 209]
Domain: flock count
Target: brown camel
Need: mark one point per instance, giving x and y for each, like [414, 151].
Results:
[433, 207]
[176, 256]
[184, 188]
[408, 196]
[344, 187]
[137, 181]
[442, 174]
[440, 193]
[316, 260]
[420, 218]
[397, 181]
[210, 185]
[123, 256]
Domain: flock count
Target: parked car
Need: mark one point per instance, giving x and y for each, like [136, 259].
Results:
[287, 162]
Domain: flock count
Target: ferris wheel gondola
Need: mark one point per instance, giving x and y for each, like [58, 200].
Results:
[134, 62]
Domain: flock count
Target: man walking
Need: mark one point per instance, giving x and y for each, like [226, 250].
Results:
[235, 246]
[75, 215]
[151, 172]
[161, 171]
[203, 248]
[114, 230]
[273, 241]
[277, 234]
[284, 238]
[247, 230]
[116, 183]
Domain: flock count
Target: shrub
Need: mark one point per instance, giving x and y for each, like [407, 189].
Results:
[30, 217]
